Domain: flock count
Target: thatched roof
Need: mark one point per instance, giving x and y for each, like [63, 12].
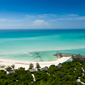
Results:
[11, 71]
[59, 66]
[32, 70]
[81, 57]
[43, 69]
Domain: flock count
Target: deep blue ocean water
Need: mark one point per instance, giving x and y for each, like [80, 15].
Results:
[40, 44]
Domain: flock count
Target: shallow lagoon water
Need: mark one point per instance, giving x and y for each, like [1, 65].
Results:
[40, 45]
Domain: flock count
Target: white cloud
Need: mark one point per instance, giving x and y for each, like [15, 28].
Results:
[65, 19]
[15, 25]
[40, 22]
[80, 18]
[70, 18]
[2, 19]
[10, 20]
[50, 16]
[41, 16]
[15, 20]
[72, 15]
[30, 16]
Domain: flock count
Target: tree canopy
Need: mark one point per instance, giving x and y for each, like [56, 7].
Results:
[66, 75]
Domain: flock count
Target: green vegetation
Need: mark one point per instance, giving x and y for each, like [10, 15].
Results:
[83, 78]
[9, 68]
[37, 65]
[30, 66]
[66, 75]
[13, 66]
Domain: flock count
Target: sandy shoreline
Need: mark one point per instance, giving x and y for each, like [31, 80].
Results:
[25, 64]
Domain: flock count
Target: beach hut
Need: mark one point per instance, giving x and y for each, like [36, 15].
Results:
[81, 57]
[73, 56]
[43, 69]
[59, 66]
[10, 71]
[32, 70]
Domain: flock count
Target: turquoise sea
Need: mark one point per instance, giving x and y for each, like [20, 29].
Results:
[40, 44]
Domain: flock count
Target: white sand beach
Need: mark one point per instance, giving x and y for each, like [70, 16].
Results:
[26, 64]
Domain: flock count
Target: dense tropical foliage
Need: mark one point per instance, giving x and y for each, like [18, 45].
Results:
[65, 75]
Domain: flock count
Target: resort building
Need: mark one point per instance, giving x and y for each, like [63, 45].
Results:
[81, 57]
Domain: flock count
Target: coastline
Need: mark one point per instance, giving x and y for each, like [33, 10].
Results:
[37, 55]
[25, 64]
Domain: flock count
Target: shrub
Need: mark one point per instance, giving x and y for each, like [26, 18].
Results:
[8, 68]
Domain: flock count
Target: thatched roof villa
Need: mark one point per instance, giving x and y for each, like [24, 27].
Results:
[81, 57]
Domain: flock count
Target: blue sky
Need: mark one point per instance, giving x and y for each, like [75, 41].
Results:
[32, 14]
